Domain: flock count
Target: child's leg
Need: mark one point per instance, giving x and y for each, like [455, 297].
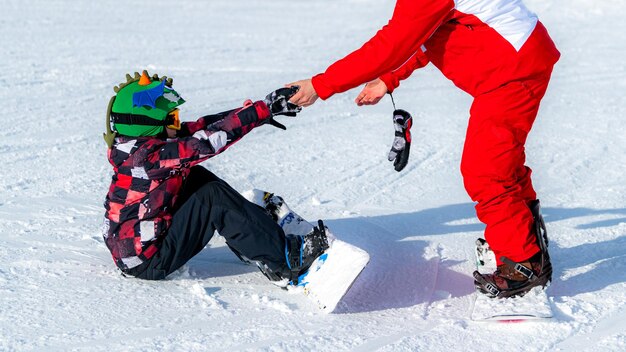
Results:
[197, 178]
[214, 205]
[493, 167]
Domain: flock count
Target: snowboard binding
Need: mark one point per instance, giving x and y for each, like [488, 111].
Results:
[272, 204]
[516, 278]
[302, 251]
[316, 264]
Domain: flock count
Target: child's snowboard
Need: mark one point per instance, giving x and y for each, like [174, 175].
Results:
[332, 274]
[532, 306]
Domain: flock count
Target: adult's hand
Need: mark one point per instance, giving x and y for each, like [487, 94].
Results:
[371, 93]
[306, 95]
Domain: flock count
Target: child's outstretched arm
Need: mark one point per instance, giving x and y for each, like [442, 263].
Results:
[277, 101]
[189, 128]
[212, 134]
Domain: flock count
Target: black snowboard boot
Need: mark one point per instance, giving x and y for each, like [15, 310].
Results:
[516, 279]
[301, 251]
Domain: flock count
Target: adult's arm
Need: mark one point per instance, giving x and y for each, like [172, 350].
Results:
[412, 23]
[392, 79]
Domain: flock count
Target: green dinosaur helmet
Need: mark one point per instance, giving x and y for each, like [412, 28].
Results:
[142, 104]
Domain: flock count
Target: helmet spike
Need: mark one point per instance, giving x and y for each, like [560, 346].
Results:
[169, 82]
[155, 77]
[136, 75]
[145, 79]
[116, 89]
[128, 78]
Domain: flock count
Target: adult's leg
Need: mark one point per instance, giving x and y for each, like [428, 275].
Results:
[214, 205]
[493, 167]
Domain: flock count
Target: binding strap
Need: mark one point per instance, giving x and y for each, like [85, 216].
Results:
[488, 286]
[293, 254]
[528, 273]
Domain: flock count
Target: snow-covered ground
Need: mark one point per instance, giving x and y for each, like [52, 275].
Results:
[59, 289]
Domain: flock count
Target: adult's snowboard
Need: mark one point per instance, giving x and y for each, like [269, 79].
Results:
[532, 306]
[332, 274]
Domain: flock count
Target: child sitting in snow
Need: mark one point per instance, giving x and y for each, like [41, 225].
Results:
[162, 208]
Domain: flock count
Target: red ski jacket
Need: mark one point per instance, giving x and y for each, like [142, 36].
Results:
[149, 173]
[478, 44]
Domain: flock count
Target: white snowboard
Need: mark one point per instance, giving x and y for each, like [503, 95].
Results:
[332, 274]
[532, 306]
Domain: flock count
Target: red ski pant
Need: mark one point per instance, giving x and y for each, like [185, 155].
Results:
[493, 167]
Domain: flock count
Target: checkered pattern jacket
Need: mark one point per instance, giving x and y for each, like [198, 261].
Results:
[149, 173]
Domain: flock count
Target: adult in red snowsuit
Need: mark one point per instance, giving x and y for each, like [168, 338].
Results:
[495, 50]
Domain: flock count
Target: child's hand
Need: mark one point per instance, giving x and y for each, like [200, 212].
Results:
[278, 102]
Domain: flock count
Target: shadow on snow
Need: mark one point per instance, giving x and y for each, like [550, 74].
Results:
[401, 273]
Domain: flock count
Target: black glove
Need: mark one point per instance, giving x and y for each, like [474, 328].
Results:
[399, 152]
[278, 103]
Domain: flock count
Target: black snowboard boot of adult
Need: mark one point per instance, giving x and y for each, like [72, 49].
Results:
[301, 251]
[516, 279]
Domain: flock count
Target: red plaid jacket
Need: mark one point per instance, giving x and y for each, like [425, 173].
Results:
[149, 173]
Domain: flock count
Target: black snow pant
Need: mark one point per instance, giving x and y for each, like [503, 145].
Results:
[206, 204]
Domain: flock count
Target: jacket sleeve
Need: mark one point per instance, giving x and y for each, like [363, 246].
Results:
[392, 79]
[189, 128]
[412, 23]
[217, 134]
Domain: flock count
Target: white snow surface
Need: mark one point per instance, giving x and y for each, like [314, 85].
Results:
[60, 291]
